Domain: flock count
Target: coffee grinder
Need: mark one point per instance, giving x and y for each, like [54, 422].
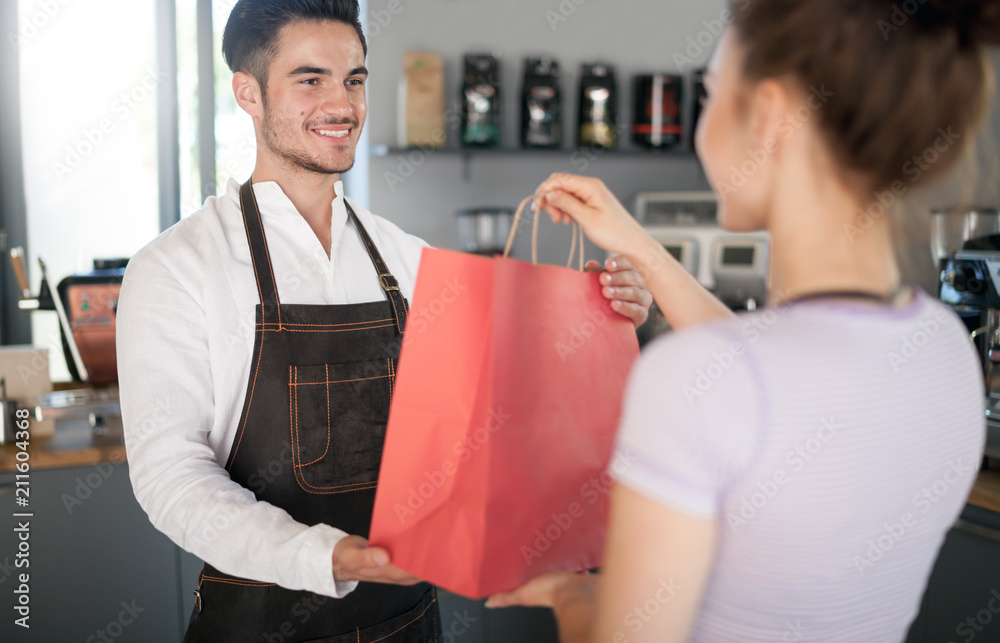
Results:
[967, 247]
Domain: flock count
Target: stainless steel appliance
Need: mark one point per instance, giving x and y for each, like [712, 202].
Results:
[967, 245]
[734, 266]
[484, 230]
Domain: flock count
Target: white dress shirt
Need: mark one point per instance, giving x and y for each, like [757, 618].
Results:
[185, 339]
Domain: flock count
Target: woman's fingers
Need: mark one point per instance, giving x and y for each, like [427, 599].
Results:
[565, 205]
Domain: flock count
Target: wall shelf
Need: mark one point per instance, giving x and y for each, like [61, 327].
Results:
[467, 154]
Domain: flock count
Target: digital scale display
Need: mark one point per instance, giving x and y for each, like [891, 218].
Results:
[738, 255]
[677, 252]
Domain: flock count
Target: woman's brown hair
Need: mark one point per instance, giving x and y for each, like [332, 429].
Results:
[906, 76]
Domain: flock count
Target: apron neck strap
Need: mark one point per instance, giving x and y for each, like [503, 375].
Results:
[264, 273]
[385, 278]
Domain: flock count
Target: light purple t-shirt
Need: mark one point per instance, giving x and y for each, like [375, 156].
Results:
[835, 441]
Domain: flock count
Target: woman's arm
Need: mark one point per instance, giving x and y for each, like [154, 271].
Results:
[656, 566]
[682, 300]
[657, 563]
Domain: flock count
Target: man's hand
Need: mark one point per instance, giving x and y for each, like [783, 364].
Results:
[353, 559]
[623, 285]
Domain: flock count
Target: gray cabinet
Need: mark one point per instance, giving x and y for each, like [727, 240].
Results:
[97, 567]
[99, 571]
[962, 601]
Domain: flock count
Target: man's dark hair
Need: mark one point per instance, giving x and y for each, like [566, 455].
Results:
[250, 41]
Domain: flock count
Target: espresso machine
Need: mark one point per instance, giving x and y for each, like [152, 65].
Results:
[966, 244]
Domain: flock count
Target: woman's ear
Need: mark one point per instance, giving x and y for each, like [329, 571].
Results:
[246, 89]
[771, 116]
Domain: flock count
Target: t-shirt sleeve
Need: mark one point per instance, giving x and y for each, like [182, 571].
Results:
[692, 419]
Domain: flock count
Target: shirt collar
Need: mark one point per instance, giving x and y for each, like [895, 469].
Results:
[272, 202]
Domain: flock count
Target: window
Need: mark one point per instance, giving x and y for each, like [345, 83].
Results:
[88, 88]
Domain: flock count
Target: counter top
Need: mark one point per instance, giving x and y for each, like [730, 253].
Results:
[76, 446]
[986, 492]
[71, 446]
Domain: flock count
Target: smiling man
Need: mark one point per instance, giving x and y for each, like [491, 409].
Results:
[257, 344]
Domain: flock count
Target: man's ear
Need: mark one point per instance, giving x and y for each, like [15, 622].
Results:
[246, 89]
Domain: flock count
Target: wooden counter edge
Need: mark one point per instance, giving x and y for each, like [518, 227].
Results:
[986, 492]
[64, 459]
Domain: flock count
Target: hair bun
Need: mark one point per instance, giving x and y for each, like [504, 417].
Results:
[978, 20]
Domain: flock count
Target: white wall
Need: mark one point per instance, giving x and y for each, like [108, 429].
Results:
[635, 35]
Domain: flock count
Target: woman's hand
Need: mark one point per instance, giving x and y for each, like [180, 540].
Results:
[605, 221]
[573, 597]
[548, 589]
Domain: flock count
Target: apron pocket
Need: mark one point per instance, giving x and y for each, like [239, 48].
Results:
[338, 414]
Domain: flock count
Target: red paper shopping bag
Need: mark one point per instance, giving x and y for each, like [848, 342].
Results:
[504, 412]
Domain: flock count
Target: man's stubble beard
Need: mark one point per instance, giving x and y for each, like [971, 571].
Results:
[270, 130]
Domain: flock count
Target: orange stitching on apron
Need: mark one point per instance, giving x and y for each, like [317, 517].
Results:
[297, 466]
[326, 368]
[286, 329]
[363, 379]
[249, 401]
[403, 627]
[361, 486]
[266, 252]
[293, 411]
[392, 379]
[371, 321]
[434, 593]
[246, 583]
